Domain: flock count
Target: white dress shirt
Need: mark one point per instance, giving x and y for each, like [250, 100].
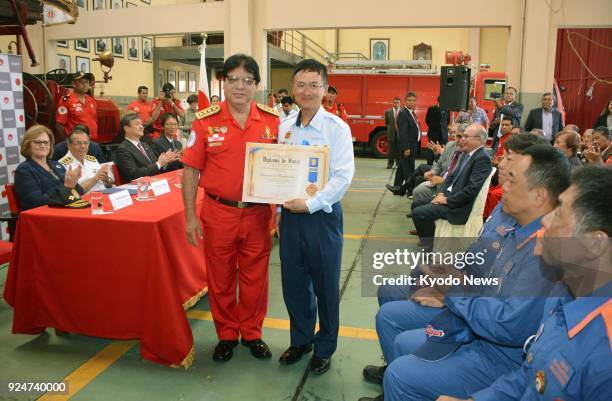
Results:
[547, 123]
[325, 129]
[89, 168]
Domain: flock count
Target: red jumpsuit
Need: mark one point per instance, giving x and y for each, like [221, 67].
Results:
[337, 109]
[237, 240]
[71, 111]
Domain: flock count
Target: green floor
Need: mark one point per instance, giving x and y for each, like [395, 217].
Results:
[368, 211]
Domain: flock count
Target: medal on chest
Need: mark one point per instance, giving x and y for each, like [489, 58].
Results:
[268, 134]
[540, 381]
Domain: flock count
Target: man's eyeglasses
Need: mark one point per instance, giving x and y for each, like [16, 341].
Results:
[81, 143]
[233, 80]
[312, 85]
[41, 143]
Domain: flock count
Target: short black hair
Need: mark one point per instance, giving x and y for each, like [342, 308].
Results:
[508, 118]
[593, 211]
[89, 76]
[410, 94]
[518, 143]
[549, 169]
[165, 117]
[603, 131]
[192, 99]
[167, 87]
[78, 129]
[311, 66]
[142, 88]
[127, 119]
[287, 100]
[283, 90]
[397, 98]
[244, 61]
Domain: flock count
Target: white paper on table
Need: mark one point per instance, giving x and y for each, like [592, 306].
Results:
[160, 187]
[120, 199]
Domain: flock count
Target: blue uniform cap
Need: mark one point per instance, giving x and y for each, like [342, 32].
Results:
[445, 334]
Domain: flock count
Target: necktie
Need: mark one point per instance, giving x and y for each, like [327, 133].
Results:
[460, 165]
[416, 121]
[143, 152]
[395, 112]
[453, 163]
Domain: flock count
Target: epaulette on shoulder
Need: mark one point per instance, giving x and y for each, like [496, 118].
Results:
[66, 160]
[268, 109]
[91, 158]
[209, 111]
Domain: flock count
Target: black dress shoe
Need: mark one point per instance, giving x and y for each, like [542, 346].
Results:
[319, 365]
[259, 349]
[400, 191]
[409, 215]
[294, 354]
[374, 374]
[377, 398]
[224, 350]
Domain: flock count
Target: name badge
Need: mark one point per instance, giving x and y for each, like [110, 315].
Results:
[120, 199]
[160, 187]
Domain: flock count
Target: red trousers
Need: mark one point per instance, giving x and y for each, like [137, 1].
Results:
[237, 245]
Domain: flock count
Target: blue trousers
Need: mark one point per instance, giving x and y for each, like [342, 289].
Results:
[311, 254]
[394, 318]
[472, 367]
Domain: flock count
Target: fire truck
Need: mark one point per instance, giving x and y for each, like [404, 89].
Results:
[367, 89]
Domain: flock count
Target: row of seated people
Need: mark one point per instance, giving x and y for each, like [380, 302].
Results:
[39, 177]
[448, 188]
[542, 331]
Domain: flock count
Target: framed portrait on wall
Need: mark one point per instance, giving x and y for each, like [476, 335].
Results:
[182, 81]
[192, 82]
[116, 3]
[98, 4]
[62, 43]
[147, 49]
[133, 48]
[63, 62]
[81, 4]
[82, 45]
[421, 51]
[379, 49]
[172, 77]
[101, 45]
[82, 64]
[117, 45]
[161, 76]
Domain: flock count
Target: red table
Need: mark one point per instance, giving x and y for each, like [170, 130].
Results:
[127, 275]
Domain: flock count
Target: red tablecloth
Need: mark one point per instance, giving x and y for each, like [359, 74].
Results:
[127, 275]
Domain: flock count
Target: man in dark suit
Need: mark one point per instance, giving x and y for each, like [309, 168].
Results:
[167, 142]
[409, 135]
[456, 196]
[510, 107]
[437, 124]
[545, 118]
[135, 159]
[391, 123]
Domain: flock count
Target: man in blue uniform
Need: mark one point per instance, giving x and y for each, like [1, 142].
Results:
[570, 356]
[311, 229]
[502, 316]
[404, 314]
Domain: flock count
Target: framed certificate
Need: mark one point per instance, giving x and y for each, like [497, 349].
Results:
[275, 173]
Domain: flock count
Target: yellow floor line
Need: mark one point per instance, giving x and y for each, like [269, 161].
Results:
[377, 191]
[87, 372]
[283, 324]
[382, 238]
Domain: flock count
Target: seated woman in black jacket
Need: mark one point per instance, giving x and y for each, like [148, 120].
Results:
[39, 176]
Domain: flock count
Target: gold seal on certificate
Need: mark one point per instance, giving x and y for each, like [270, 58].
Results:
[275, 173]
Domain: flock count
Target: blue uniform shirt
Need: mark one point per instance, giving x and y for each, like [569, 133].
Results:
[509, 313]
[570, 359]
[325, 129]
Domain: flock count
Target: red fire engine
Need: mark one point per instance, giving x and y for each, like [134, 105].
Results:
[367, 89]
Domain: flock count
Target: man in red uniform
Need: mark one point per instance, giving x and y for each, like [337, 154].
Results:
[165, 103]
[142, 106]
[238, 241]
[331, 106]
[78, 108]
